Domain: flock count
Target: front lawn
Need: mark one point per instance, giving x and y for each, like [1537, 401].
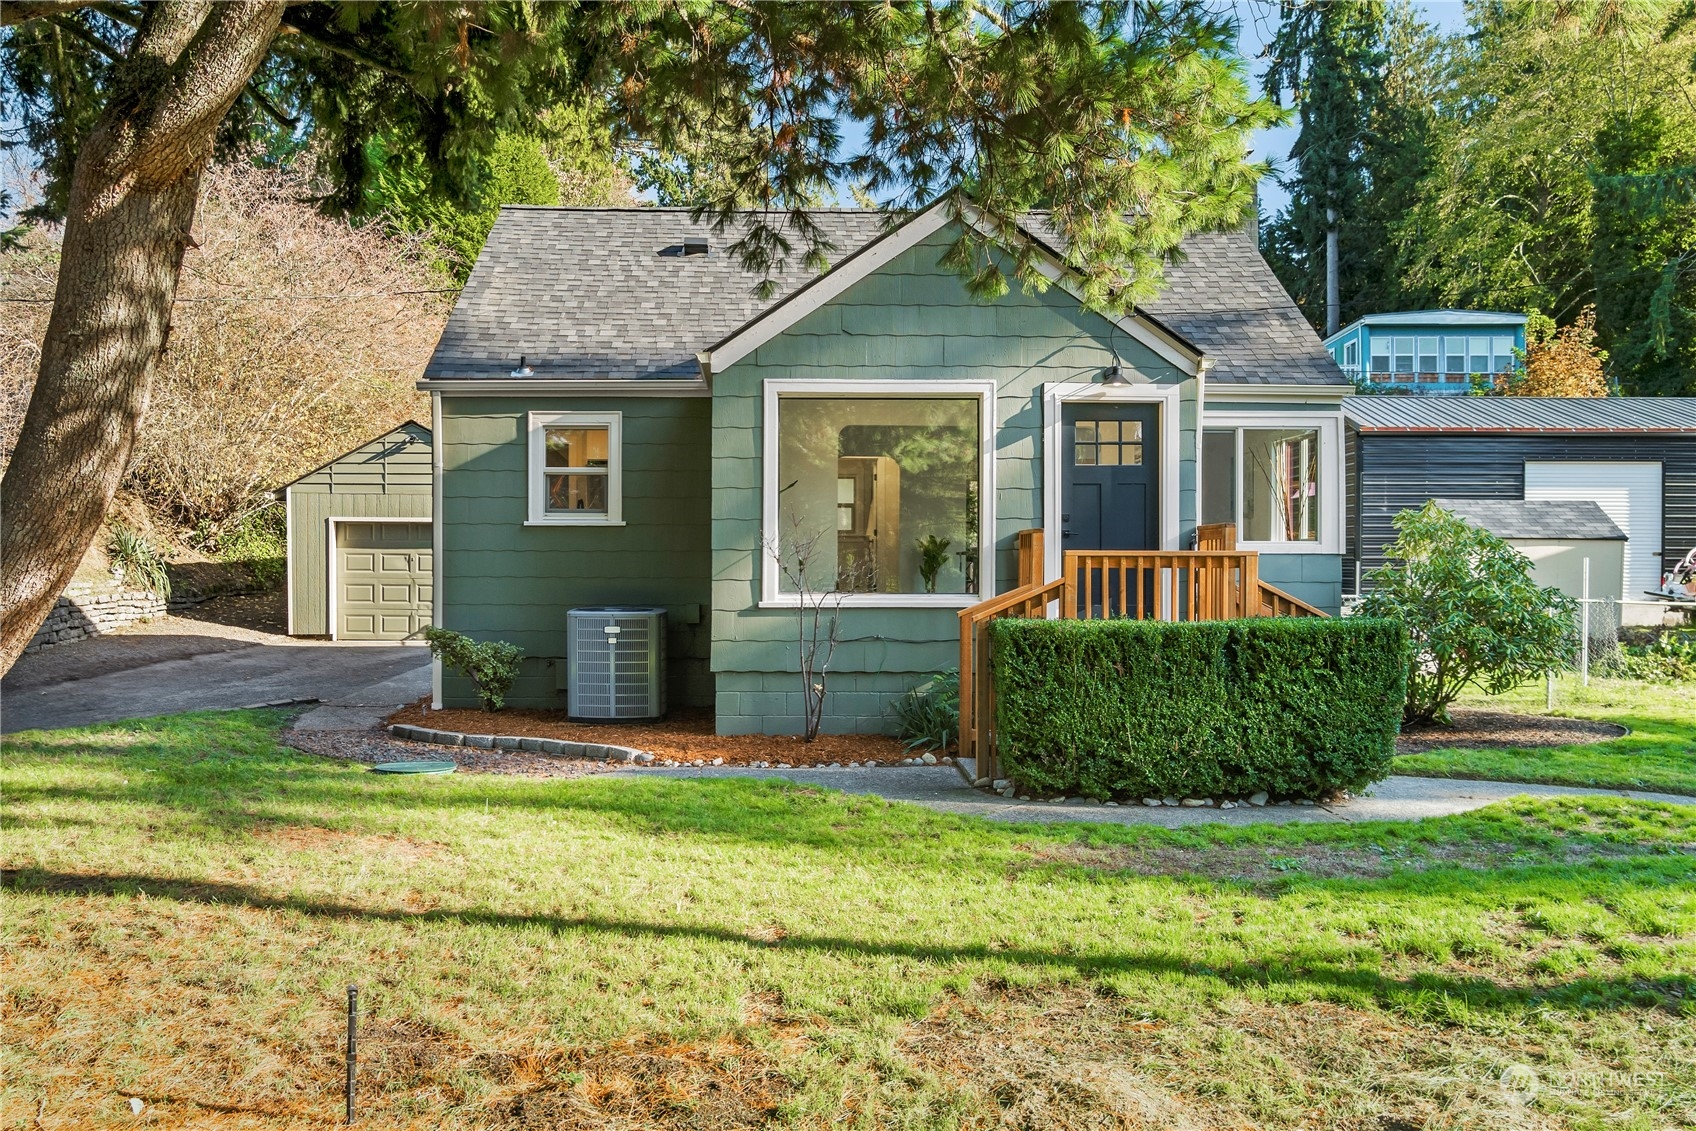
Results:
[1659, 754]
[185, 903]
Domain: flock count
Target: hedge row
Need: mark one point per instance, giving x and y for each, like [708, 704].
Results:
[1297, 707]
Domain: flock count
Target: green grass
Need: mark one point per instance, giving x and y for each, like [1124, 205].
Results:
[1659, 754]
[186, 901]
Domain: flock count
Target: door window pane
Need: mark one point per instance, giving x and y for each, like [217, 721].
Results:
[864, 482]
[1219, 475]
[1280, 485]
[1108, 443]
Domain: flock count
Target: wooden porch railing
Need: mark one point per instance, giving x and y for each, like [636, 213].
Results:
[1218, 582]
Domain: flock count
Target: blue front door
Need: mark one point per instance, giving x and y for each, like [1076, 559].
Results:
[1110, 493]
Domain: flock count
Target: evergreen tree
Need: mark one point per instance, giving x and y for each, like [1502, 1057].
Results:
[1644, 257]
[1328, 58]
[1128, 120]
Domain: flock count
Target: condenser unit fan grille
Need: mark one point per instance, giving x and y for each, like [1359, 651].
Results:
[617, 663]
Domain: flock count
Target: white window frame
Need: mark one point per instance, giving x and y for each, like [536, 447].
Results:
[539, 422]
[771, 594]
[1330, 475]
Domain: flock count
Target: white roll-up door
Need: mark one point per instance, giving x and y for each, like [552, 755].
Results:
[1630, 494]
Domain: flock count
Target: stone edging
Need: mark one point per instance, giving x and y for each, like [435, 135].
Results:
[601, 752]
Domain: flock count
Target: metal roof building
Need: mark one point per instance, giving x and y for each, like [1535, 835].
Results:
[1634, 457]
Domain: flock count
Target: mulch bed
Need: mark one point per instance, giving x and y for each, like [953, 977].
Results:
[685, 736]
[374, 746]
[1499, 730]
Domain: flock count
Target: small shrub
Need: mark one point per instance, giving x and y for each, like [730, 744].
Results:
[491, 664]
[1475, 615]
[259, 541]
[1668, 659]
[1297, 707]
[138, 558]
[929, 715]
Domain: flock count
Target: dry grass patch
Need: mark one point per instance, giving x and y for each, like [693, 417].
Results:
[1063, 1058]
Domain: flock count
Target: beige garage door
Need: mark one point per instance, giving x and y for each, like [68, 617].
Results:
[383, 572]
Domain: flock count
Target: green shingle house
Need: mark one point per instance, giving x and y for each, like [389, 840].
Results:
[620, 418]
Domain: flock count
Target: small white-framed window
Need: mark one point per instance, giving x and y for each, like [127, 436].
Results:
[881, 492]
[576, 469]
[1278, 479]
[1351, 356]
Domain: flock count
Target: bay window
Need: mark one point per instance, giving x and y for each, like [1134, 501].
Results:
[873, 494]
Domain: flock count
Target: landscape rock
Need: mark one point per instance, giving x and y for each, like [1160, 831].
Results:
[980, 783]
[1193, 802]
[999, 784]
[643, 757]
[1258, 798]
[928, 758]
[1169, 801]
[1152, 802]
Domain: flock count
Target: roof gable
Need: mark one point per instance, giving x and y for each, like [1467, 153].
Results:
[376, 450]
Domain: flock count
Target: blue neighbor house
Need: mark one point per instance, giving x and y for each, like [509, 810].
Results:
[1433, 352]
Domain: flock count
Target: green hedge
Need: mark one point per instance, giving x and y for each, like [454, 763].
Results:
[1298, 707]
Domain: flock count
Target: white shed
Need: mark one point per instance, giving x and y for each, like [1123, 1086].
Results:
[1558, 536]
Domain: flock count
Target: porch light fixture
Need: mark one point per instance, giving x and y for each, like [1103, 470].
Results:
[523, 370]
[1115, 374]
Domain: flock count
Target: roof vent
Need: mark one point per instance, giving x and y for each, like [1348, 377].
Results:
[694, 245]
[523, 370]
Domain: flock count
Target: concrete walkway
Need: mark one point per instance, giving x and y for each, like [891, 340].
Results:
[178, 667]
[942, 788]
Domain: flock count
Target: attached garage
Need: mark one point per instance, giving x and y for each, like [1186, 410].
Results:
[361, 541]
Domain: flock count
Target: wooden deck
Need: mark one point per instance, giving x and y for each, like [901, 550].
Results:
[1215, 581]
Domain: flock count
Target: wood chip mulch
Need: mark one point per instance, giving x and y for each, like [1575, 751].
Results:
[375, 746]
[684, 736]
[1499, 730]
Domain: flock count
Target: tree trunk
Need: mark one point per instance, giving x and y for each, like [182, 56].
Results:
[1333, 282]
[131, 207]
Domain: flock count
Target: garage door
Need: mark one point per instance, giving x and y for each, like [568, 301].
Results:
[1629, 493]
[383, 572]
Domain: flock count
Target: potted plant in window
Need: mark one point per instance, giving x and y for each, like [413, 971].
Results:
[933, 555]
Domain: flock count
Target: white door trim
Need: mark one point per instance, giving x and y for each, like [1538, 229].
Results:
[1055, 396]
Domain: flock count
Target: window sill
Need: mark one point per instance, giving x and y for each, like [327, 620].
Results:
[573, 522]
[883, 601]
[1287, 548]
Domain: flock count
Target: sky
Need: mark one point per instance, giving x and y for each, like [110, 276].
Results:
[1259, 21]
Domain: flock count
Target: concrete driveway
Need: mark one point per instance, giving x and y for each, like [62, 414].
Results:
[177, 665]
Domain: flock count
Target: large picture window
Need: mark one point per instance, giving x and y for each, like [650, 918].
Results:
[879, 494]
[1273, 482]
[575, 473]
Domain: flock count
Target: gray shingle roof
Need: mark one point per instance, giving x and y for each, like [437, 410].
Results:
[1521, 414]
[601, 293]
[1224, 297]
[1520, 518]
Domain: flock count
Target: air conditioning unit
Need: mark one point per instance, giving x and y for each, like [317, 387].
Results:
[616, 662]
